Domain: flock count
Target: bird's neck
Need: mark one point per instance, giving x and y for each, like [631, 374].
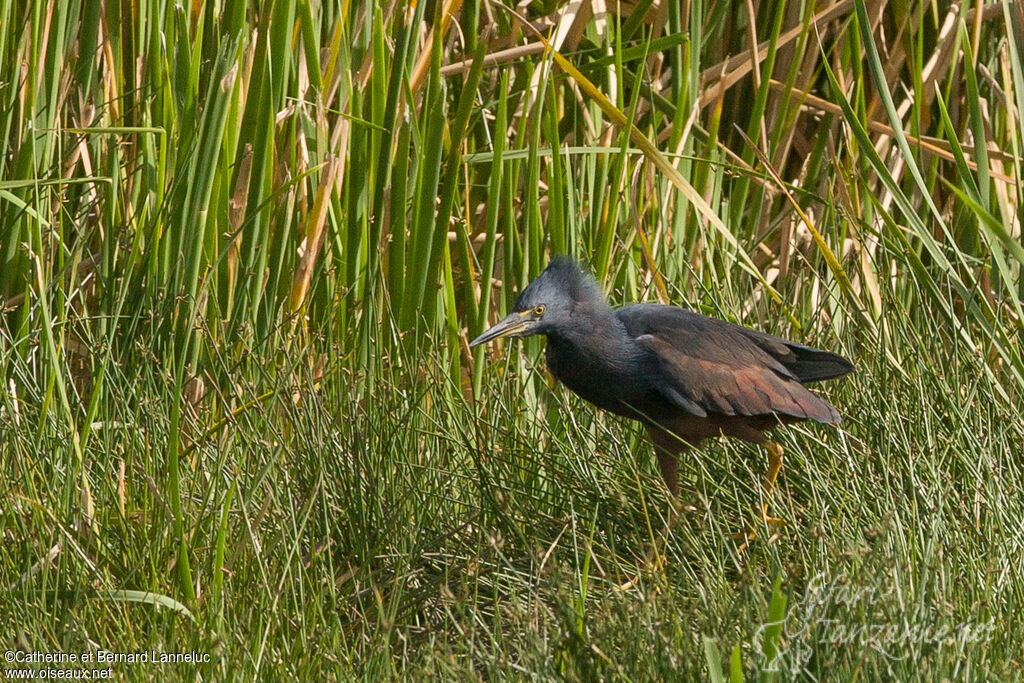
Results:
[596, 334]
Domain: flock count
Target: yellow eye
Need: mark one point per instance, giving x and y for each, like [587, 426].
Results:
[538, 311]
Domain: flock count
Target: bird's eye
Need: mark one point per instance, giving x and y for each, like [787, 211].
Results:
[538, 311]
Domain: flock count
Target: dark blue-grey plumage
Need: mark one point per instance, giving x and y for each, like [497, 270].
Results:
[685, 376]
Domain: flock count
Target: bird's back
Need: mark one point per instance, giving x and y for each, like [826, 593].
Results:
[728, 342]
[707, 366]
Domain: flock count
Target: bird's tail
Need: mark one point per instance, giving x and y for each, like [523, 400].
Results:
[814, 365]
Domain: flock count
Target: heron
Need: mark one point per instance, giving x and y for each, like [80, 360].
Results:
[684, 376]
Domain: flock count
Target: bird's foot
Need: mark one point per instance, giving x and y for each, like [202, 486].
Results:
[653, 565]
[632, 584]
[768, 520]
[773, 524]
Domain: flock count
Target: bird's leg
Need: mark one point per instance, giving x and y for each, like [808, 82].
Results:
[669, 465]
[774, 467]
[667, 447]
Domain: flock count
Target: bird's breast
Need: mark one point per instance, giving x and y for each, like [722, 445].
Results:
[607, 380]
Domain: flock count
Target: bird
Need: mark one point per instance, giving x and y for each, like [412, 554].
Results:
[684, 376]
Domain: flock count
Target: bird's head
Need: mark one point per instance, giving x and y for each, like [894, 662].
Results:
[547, 304]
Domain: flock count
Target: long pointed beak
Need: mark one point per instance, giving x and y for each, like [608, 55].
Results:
[514, 325]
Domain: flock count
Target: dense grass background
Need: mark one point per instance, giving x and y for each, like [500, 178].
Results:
[242, 249]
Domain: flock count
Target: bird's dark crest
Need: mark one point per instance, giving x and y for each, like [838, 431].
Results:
[567, 274]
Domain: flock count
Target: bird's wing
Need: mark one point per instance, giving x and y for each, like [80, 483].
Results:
[806, 363]
[703, 365]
